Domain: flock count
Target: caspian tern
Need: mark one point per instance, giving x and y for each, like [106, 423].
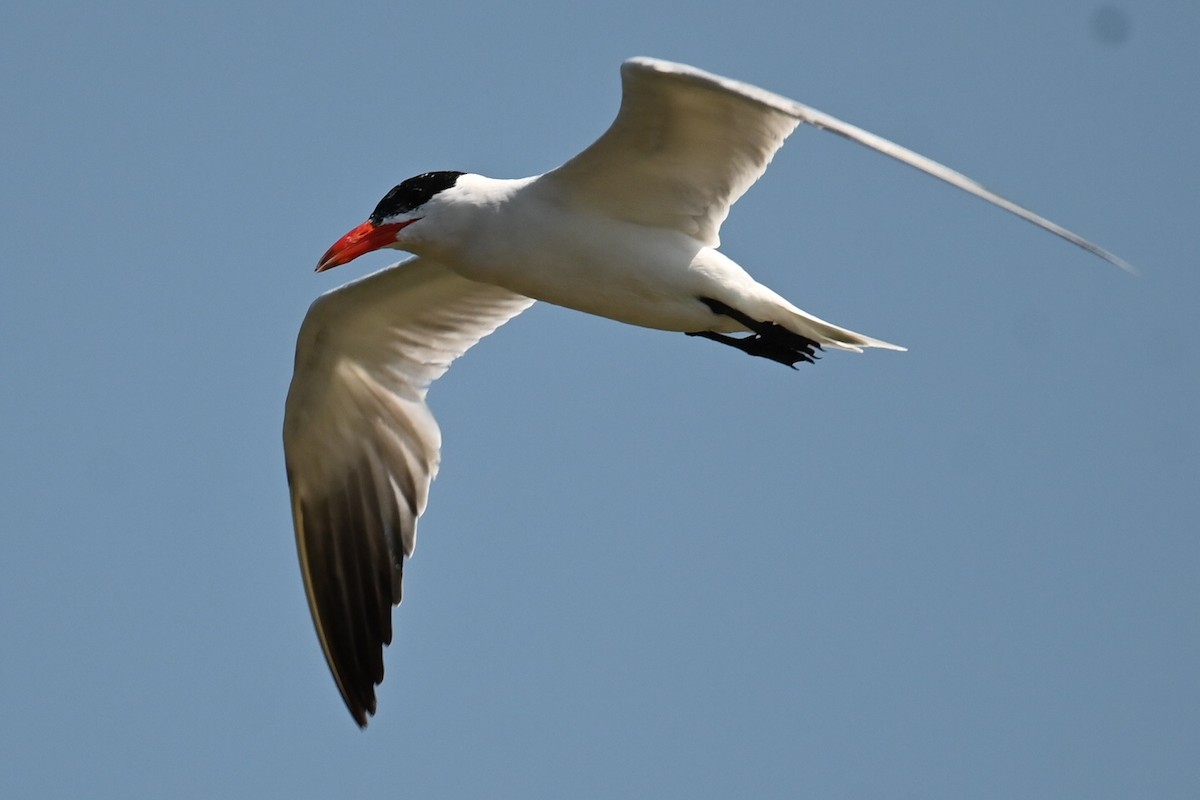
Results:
[627, 230]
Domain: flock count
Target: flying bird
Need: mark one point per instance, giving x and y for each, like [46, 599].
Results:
[627, 229]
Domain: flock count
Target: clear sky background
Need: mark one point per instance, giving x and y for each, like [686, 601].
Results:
[651, 566]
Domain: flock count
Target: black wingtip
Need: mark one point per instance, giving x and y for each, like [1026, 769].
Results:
[360, 716]
[349, 579]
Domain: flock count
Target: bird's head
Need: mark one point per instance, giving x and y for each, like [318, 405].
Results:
[406, 204]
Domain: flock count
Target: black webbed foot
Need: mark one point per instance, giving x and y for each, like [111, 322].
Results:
[757, 345]
[768, 339]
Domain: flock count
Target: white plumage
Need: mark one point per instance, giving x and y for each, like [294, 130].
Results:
[627, 229]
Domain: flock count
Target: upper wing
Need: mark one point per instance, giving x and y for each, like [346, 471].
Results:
[683, 148]
[362, 446]
[687, 144]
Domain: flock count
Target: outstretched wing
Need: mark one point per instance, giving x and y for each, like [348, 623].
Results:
[362, 447]
[683, 148]
[686, 144]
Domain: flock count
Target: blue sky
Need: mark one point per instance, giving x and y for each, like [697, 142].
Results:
[651, 566]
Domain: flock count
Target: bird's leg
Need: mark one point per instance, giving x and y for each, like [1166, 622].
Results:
[756, 345]
[768, 340]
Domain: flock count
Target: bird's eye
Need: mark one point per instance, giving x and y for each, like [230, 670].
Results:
[413, 193]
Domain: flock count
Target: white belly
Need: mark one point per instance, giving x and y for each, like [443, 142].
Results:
[643, 276]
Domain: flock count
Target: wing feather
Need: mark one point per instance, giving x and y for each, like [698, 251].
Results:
[686, 144]
[684, 147]
[362, 446]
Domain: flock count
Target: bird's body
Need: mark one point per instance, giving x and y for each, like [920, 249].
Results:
[523, 236]
[628, 230]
